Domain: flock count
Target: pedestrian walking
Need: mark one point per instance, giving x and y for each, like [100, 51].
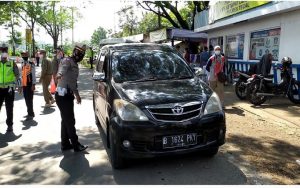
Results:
[186, 55]
[28, 83]
[9, 79]
[57, 58]
[66, 89]
[46, 76]
[204, 56]
[91, 57]
[37, 57]
[216, 68]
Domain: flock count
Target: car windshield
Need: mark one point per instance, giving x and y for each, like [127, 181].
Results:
[142, 65]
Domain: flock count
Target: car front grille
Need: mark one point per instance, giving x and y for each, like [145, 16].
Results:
[176, 111]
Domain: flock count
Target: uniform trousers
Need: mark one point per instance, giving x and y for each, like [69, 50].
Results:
[8, 95]
[28, 95]
[218, 87]
[46, 82]
[68, 131]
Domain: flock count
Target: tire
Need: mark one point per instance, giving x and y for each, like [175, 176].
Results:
[97, 122]
[294, 90]
[240, 90]
[211, 152]
[252, 97]
[117, 161]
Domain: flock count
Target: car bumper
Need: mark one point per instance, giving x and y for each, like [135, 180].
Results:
[146, 137]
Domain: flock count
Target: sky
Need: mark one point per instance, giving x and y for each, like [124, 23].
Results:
[96, 13]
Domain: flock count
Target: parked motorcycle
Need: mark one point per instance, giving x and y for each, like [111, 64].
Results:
[240, 82]
[260, 88]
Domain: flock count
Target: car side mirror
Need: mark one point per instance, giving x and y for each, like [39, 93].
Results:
[99, 76]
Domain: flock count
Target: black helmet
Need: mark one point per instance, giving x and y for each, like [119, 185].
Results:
[286, 62]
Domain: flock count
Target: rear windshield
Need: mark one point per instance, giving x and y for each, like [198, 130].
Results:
[148, 65]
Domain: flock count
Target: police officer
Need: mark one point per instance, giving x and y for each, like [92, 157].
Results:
[28, 83]
[67, 76]
[9, 78]
[46, 76]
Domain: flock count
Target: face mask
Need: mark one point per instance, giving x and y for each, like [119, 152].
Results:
[25, 58]
[78, 56]
[217, 52]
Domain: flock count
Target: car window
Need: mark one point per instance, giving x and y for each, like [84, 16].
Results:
[154, 64]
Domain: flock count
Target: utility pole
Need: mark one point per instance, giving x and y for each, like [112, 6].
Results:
[72, 8]
[159, 18]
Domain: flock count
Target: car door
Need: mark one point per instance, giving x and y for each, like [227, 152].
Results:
[102, 88]
[98, 88]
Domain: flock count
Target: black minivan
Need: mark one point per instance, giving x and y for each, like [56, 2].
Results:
[149, 103]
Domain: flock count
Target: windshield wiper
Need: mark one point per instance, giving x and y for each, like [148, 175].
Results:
[184, 77]
[144, 79]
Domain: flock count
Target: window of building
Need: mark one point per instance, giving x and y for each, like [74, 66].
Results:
[262, 42]
[235, 46]
[215, 41]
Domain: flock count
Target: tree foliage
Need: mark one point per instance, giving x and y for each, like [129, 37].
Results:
[178, 18]
[98, 35]
[149, 23]
[128, 21]
[54, 19]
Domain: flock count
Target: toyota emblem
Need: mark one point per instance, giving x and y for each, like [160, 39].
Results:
[177, 110]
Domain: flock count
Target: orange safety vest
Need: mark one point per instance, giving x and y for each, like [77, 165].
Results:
[26, 72]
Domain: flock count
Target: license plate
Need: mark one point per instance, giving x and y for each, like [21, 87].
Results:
[179, 140]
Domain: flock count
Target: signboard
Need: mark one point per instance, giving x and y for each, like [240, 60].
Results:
[262, 42]
[235, 46]
[224, 9]
[28, 36]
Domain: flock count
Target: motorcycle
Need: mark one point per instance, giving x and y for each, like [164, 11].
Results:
[260, 88]
[240, 82]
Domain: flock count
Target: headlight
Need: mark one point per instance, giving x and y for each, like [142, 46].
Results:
[213, 104]
[128, 111]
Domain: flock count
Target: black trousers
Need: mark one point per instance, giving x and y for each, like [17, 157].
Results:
[8, 97]
[68, 131]
[28, 95]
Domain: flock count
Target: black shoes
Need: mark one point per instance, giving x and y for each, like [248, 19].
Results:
[9, 129]
[80, 147]
[77, 148]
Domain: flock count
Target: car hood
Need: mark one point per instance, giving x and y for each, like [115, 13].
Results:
[163, 91]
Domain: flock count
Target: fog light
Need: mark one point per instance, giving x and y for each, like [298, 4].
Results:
[126, 143]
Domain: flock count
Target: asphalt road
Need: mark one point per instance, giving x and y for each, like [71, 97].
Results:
[31, 155]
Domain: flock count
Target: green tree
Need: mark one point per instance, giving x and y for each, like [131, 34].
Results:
[128, 21]
[9, 18]
[169, 11]
[149, 23]
[54, 19]
[29, 11]
[98, 35]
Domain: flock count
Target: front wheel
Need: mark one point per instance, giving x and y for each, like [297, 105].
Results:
[240, 90]
[252, 91]
[294, 93]
[117, 161]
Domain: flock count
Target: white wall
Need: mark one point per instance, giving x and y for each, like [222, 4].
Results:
[289, 37]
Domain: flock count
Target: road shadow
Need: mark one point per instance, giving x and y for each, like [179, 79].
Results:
[75, 165]
[47, 110]
[8, 137]
[189, 169]
[235, 110]
[278, 159]
[29, 123]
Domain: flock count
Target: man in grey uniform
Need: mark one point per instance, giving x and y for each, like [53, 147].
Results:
[67, 76]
